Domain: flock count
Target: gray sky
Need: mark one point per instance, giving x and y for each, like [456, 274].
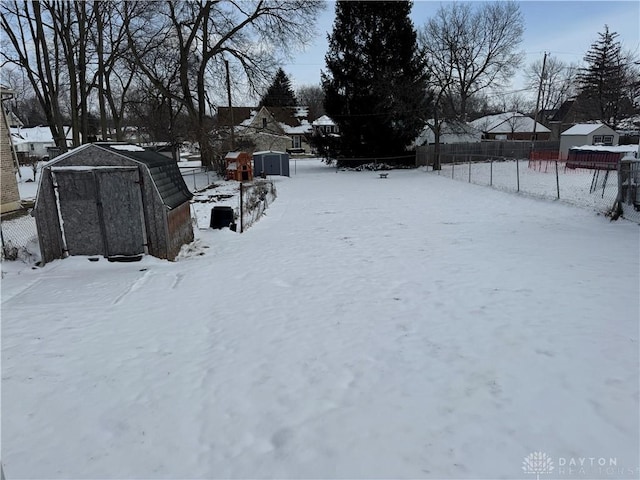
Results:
[565, 29]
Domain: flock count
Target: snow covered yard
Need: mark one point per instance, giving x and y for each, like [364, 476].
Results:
[538, 179]
[408, 327]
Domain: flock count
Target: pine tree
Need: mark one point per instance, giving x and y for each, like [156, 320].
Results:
[279, 93]
[604, 79]
[375, 85]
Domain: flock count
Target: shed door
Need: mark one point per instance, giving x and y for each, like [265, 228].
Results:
[272, 164]
[101, 211]
[77, 194]
[121, 204]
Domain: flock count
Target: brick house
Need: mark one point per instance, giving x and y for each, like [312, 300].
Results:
[9, 194]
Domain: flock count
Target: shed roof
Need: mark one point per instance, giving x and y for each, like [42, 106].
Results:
[164, 171]
[584, 129]
[269, 152]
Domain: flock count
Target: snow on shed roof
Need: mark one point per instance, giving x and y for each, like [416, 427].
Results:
[605, 148]
[267, 152]
[164, 171]
[583, 128]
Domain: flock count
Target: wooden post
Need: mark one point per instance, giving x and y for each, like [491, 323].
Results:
[469, 171]
[241, 208]
[518, 174]
[557, 181]
[491, 173]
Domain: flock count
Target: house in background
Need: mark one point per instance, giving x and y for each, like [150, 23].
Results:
[450, 132]
[324, 126]
[36, 142]
[9, 194]
[510, 126]
[587, 134]
[284, 129]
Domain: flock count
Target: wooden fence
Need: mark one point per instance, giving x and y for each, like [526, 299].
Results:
[486, 150]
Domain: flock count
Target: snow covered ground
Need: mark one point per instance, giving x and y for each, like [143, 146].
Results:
[574, 186]
[408, 327]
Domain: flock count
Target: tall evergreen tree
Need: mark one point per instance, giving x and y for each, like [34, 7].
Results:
[375, 85]
[279, 93]
[606, 78]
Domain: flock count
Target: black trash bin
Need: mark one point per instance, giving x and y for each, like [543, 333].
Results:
[221, 217]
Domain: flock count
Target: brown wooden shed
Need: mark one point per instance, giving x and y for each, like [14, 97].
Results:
[112, 199]
[239, 166]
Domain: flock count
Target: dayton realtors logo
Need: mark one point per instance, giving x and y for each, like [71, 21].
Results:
[537, 463]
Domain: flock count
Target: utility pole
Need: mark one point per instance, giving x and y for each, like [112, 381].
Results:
[233, 143]
[535, 118]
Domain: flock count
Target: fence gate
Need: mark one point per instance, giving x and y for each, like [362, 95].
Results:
[101, 210]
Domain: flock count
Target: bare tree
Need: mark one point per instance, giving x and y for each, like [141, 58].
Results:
[557, 85]
[33, 45]
[516, 106]
[312, 96]
[202, 33]
[115, 70]
[473, 49]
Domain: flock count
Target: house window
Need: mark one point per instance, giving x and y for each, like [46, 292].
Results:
[32, 147]
[603, 140]
[296, 141]
[264, 123]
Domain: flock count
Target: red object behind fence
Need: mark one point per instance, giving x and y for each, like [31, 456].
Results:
[593, 160]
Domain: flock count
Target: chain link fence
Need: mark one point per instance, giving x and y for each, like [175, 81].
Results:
[254, 200]
[198, 178]
[19, 237]
[550, 179]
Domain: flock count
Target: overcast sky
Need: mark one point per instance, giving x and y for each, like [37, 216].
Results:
[564, 29]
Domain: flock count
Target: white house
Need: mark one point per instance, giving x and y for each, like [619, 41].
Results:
[587, 134]
[510, 126]
[34, 141]
[324, 125]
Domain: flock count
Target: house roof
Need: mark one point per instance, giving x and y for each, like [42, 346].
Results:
[39, 134]
[324, 120]
[292, 120]
[508, 122]
[450, 132]
[164, 171]
[240, 114]
[562, 111]
[585, 129]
